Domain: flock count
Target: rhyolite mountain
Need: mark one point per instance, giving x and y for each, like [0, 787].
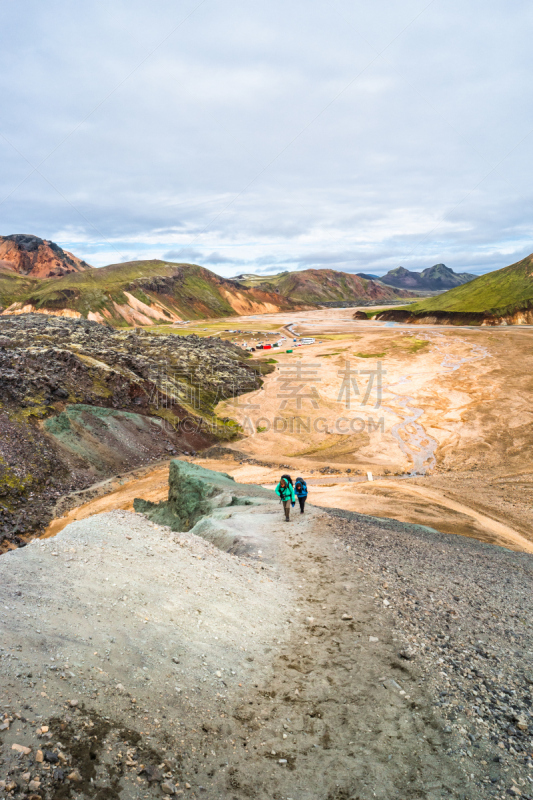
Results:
[144, 292]
[434, 279]
[325, 287]
[136, 293]
[39, 258]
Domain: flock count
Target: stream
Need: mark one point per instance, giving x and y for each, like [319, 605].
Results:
[419, 447]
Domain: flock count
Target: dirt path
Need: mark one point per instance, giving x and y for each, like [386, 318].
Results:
[333, 721]
[397, 500]
[282, 666]
[310, 666]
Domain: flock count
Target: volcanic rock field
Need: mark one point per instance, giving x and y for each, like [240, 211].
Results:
[81, 401]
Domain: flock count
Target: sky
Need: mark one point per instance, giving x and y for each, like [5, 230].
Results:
[266, 136]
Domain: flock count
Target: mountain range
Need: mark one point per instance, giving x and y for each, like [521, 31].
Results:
[323, 287]
[38, 275]
[436, 278]
[499, 297]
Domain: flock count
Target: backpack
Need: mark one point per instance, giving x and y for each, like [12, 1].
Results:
[302, 484]
[288, 479]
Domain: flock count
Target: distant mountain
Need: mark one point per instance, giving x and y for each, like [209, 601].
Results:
[38, 258]
[503, 295]
[433, 279]
[367, 276]
[325, 286]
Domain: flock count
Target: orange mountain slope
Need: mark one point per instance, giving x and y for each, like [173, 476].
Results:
[39, 258]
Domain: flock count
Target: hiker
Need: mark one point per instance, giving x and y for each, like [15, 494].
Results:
[285, 492]
[300, 489]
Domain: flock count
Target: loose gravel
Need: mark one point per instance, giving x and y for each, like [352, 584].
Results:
[464, 611]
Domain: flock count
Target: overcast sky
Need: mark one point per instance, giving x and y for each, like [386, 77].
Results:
[262, 136]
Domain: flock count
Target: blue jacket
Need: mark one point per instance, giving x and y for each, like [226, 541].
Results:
[302, 492]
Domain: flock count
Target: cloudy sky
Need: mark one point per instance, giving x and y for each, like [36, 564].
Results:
[261, 136]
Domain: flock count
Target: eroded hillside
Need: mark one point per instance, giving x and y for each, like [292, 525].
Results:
[138, 293]
[327, 287]
[81, 401]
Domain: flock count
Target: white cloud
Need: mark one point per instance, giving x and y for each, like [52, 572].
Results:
[270, 136]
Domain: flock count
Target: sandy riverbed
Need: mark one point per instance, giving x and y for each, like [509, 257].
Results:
[448, 445]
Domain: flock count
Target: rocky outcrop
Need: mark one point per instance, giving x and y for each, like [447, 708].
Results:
[199, 500]
[194, 492]
[520, 317]
[81, 401]
[39, 258]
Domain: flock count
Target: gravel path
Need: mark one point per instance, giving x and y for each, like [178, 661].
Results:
[349, 659]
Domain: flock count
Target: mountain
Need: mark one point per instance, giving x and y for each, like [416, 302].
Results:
[144, 292]
[505, 295]
[40, 258]
[434, 278]
[325, 286]
[137, 293]
[367, 276]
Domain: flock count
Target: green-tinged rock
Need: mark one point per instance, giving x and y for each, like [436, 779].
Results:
[192, 495]
[195, 493]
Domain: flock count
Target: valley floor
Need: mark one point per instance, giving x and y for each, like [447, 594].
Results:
[448, 446]
[341, 656]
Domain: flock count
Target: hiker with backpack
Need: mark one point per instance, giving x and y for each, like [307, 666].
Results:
[300, 489]
[285, 492]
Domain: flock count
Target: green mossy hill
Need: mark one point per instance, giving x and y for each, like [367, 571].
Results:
[497, 294]
[326, 287]
[81, 401]
[13, 287]
[184, 290]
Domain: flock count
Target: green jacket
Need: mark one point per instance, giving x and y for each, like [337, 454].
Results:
[286, 493]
